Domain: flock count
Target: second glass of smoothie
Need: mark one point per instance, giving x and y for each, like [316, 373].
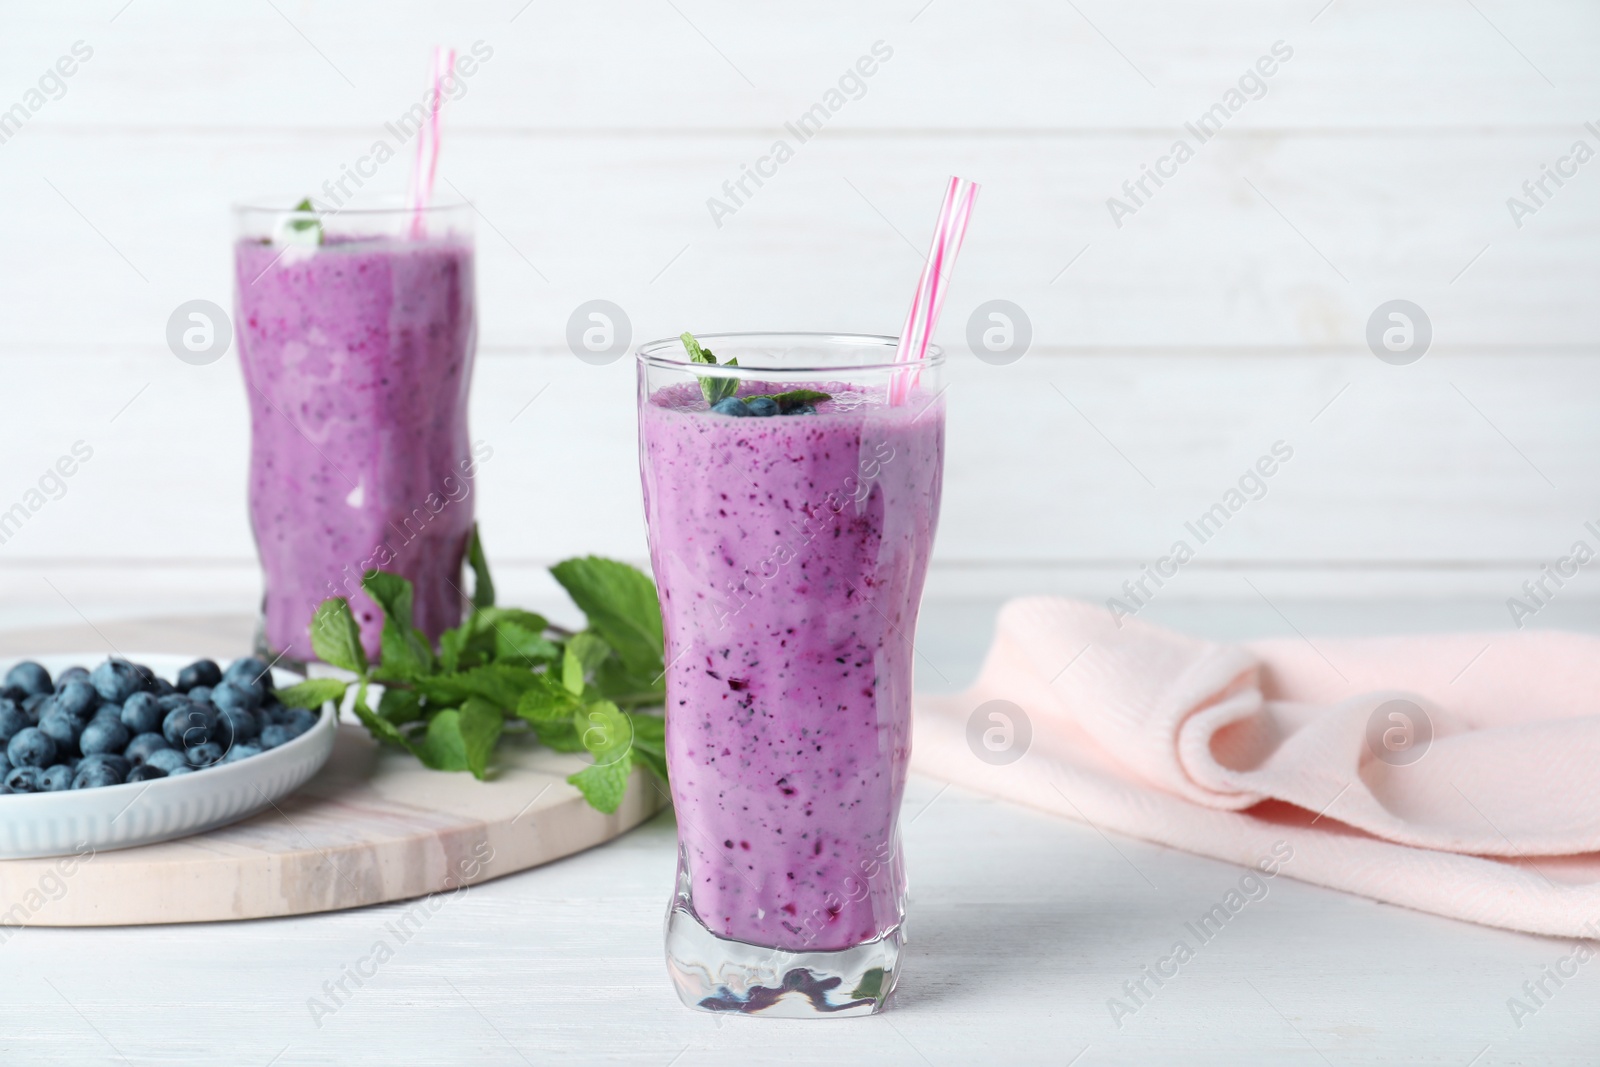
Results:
[357, 330]
[790, 544]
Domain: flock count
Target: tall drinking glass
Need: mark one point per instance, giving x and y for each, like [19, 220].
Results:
[790, 551]
[357, 330]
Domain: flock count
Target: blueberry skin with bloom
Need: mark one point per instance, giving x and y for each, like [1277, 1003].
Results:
[70, 673]
[141, 748]
[763, 406]
[63, 729]
[24, 780]
[145, 773]
[33, 706]
[299, 720]
[205, 755]
[55, 779]
[731, 405]
[31, 678]
[77, 698]
[12, 720]
[239, 752]
[200, 694]
[193, 725]
[116, 680]
[144, 712]
[238, 727]
[274, 735]
[96, 775]
[168, 759]
[103, 736]
[31, 748]
[233, 696]
[201, 672]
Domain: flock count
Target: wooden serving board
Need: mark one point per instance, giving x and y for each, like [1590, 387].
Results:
[374, 825]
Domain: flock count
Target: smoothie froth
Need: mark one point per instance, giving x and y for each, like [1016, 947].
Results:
[790, 553]
[357, 359]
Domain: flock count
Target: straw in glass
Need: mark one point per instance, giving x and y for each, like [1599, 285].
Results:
[923, 316]
[425, 166]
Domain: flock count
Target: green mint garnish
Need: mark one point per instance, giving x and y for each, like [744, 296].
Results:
[794, 398]
[507, 671]
[298, 231]
[713, 389]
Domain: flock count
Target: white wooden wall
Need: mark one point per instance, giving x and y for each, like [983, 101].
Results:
[1227, 314]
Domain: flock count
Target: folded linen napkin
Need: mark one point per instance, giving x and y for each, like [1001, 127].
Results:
[1457, 774]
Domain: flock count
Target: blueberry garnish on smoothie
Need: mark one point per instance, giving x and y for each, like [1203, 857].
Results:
[719, 392]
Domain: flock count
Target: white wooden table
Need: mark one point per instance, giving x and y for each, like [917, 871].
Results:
[1022, 928]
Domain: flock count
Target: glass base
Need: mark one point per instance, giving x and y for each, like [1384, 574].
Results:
[718, 974]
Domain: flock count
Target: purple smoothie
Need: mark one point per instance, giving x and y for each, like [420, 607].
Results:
[357, 359]
[790, 553]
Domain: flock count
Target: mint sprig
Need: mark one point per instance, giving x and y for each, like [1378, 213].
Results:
[794, 398]
[302, 231]
[507, 671]
[713, 389]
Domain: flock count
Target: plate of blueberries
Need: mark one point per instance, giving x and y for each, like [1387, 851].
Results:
[147, 748]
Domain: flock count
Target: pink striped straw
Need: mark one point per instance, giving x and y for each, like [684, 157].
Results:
[931, 286]
[426, 164]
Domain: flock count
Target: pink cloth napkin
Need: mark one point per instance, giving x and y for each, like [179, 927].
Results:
[1225, 750]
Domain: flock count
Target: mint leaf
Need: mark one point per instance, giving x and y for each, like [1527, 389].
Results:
[313, 693]
[399, 706]
[443, 748]
[335, 637]
[482, 584]
[560, 736]
[382, 729]
[547, 702]
[480, 725]
[589, 649]
[649, 743]
[515, 642]
[622, 607]
[604, 784]
[870, 986]
[405, 651]
[713, 389]
[501, 684]
[606, 732]
[794, 398]
[451, 645]
[302, 231]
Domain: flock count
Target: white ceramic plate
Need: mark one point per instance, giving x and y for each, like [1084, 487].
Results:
[140, 813]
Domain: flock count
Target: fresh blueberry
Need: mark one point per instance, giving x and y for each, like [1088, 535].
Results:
[12, 719]
[172, 700]
[239, 752]
[142, 747]
[30, 678]
[200, 694]
[147, 677]
[193, 725]
[234, 696]
[168, 759]
[4, 789]
[95, 775]
[31, 748]
[24, 779]
[143, 713]
[55, 779]
[731, 405]
[201, 672]
[110, 712]
[70, 673]
[185, 769]
[804, 409]
[62, 729]
[103, 736]
[763, 406]
[250, 670]
[5, 765]
[120, 764]
[299, 721]
[273, 713]
[274, 735]
[117, 680]
[146, 773]
[238, 727]
[205, 755]
[33, 706]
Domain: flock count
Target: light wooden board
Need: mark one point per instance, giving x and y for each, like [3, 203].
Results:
[374, 825]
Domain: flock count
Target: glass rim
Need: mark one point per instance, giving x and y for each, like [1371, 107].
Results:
[389, 204]
[652, 353]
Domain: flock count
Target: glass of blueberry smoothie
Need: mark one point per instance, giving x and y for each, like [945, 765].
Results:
[357, 330]
[791, 487]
